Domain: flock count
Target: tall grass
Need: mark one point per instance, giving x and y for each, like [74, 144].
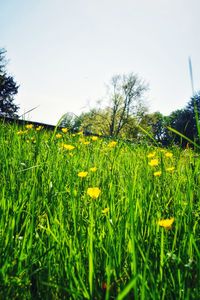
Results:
[57, 242]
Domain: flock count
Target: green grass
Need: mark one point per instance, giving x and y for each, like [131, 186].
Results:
[55, 241]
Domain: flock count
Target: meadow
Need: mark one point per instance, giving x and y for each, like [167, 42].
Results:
[93, 218]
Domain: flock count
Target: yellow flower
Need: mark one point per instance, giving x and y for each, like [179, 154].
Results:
[153, 162]
[29, 126]
[58, 135]
[105, 210]
[81, 140]
[82, 174]
[112, 144]
[68, 147]
[93, 169]
[21, 132]
[166, 223]
[86, 143]
[158, 173]
[94, 138]
[170, 169]
[80, 133]
[151, 155]
[64, 130]
[39, 128]
[168, 154]
[93, 192]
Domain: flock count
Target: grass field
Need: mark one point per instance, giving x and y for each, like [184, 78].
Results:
[90, 218]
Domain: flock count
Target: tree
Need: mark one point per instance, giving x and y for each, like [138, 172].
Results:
[124, 110]
[95, 121]
[71, 121]
[125, 101]
[8, 89]
[186, 121]
[193, 110]
[154, 124]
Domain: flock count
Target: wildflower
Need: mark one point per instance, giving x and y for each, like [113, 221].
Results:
[29, 126]
[58, 135]
[94, 138]
[80, 133]
[38, 128]
[86, 143]
[93, 192]
[153, 162]
[168, 154]
[157, 173]
[64, 130]
[82, 174]
[151, 155]
[105, 210]
[68, 147]
[21, 132]
[112, 144]
[93, 169]
[166, 223]
[170, 169]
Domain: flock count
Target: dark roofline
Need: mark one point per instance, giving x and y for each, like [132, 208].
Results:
[25, 122]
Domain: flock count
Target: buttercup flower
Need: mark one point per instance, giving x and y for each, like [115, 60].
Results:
[29, 126]
[81, 140]
[21, 132]
[68, 147]
[168, 154]
[151, 155]
[80, 133]
[153, 162]
[166, 223]
[64, 130]
[158, 173]
[38, 128]
[93, 192]
[94, 138]
[170, 169]
[105, 210]
[93, 169]
[58, 135]
[112, 144]
[82, 174]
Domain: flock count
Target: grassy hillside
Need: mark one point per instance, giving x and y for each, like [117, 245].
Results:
[88, 218]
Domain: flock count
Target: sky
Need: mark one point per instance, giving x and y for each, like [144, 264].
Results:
[63, 53]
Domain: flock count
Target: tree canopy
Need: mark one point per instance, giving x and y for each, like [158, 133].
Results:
[8, 89]
[124, 109]
[186, 121]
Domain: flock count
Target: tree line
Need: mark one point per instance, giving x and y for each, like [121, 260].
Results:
[125, 116]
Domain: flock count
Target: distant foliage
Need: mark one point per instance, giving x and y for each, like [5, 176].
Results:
[124, 110]
[186, 121]
[8, 89]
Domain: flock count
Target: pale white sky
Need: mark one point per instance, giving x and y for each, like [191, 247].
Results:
[64, 52]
